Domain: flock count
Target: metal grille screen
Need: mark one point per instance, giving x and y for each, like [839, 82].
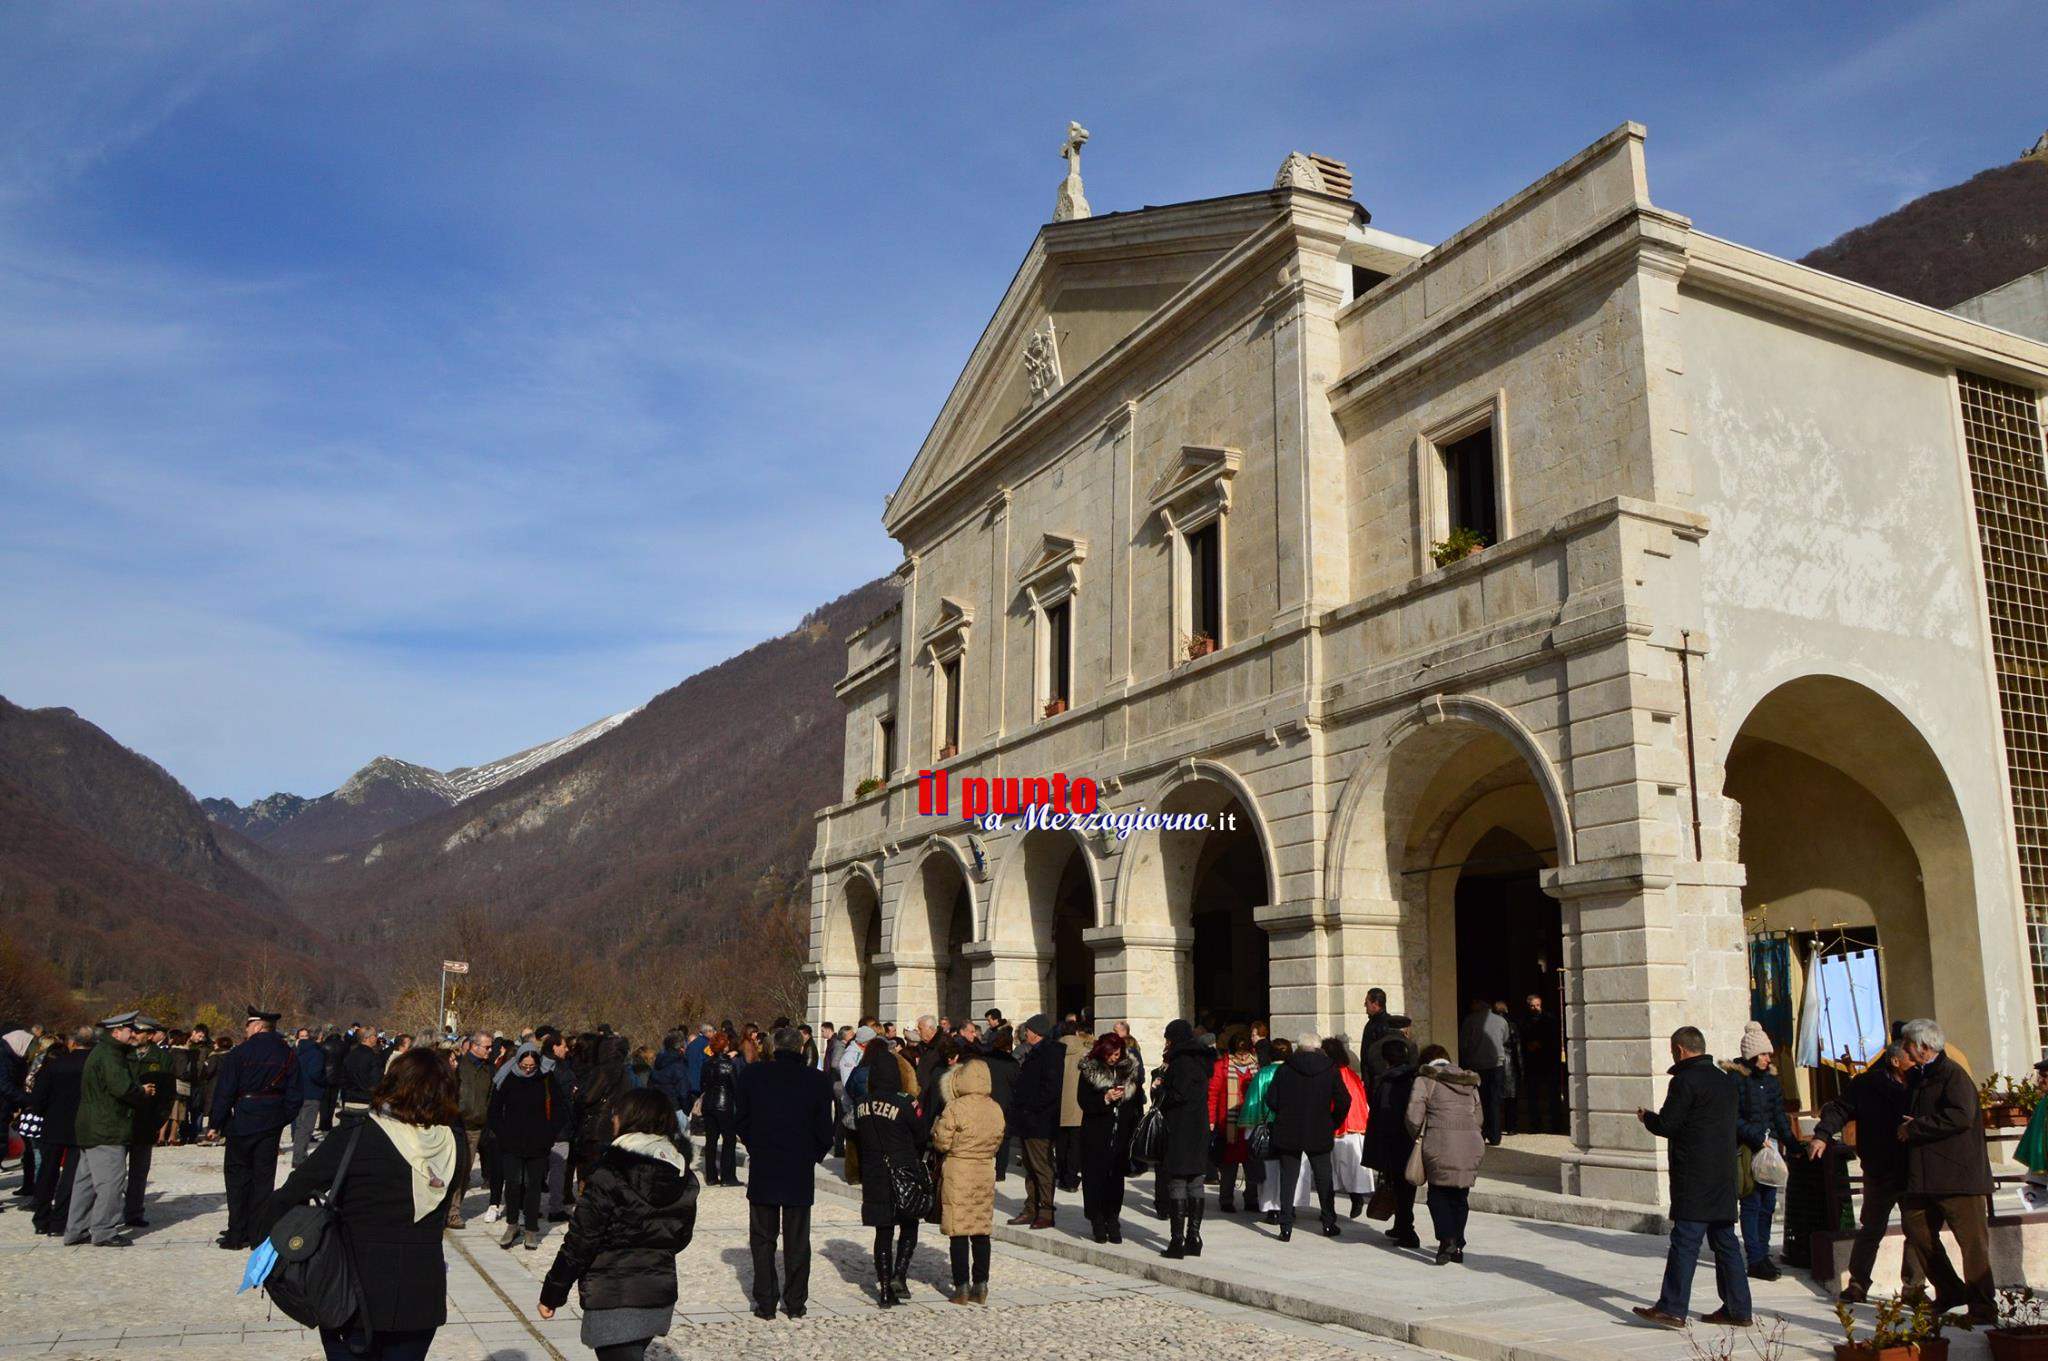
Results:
[2002, 436]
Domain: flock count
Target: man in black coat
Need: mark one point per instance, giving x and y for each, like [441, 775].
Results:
[1877, 1100]
[59, 1084]
[1309, 1101]
[1698, 1121]
[1035, 1117]
[783, 1112]
[1948, 1174]
[251, 1107]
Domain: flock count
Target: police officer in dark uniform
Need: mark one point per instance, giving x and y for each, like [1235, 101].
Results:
[251, 1108]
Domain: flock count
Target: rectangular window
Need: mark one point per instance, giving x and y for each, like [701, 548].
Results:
[949, 678]
[1205, 582]
[1059, 657]
[885, 746]
[1474, 498]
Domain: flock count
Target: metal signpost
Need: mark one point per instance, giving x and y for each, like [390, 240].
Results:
[448, 966]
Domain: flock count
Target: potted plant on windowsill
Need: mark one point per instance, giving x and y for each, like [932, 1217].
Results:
[949, 751]
[1902, 1331]
[1462, 543]
[2021, 1333]
[1198, 645]
[1055, 707]
[2008, 1102]
[867, 786]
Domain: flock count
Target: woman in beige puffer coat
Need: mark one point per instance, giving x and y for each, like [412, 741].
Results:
[1443, 1109]
[968, 1131]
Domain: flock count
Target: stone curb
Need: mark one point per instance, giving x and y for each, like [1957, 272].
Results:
[1278, 1298]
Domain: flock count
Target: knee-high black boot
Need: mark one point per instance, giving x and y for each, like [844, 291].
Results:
[1194, 1245]
[906, 1246]
[885, 1279]
[1177, 1246]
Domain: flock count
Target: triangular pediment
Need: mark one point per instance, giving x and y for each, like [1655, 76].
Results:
[1083, 287]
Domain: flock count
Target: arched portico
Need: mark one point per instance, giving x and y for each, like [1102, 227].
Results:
[1185, 938]
[1047, 897]
[846, 975]
[934, 921]
[1849, 823]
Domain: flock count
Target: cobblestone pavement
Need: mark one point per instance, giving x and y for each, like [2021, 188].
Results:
[172, 1295]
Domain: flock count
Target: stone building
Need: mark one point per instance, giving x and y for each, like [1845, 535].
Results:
[1756, 638]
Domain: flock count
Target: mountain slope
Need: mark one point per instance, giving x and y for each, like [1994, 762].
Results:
[79, 775]
[1954, 243]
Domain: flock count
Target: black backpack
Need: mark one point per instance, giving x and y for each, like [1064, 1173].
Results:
[314, 1282]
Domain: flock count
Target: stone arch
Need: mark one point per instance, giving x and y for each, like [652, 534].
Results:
[1140, 860]
[1894, 854]
[1362, 852]
[1014, 902]
[921, 936]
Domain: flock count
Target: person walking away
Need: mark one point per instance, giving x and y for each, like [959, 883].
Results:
[720, 1076]
[1760, 1117]
[1387, 1140]
[1309, 1101]
[1112, 1093]
[107, 1099]
[783, 1113]
[394, 1203]
[1067, 1150]
[308, 1094]
[1877, 1101]
[891, 1160]
[637, 1212]
[670, 1077]
[1482, 1040]
[968, 1132]
[1948, 1175]
[55, 1098]
[526, 1116]
[251, 1107]
[333, 1049]
[1698, 1122]
[1233, 1074]
[1183, 1096]
[1510, 1069]
[152, 1064]
[1348, 1171]
[1444, 1114]
[472, 1063]
[362, 1068]
[1002, 1080]
[1034, 1118]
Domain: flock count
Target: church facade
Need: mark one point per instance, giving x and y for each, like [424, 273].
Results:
[1553, 611]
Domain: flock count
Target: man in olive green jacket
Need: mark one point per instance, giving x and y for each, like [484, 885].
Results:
[107, 1097]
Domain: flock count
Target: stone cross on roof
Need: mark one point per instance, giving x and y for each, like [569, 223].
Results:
[1071, 203]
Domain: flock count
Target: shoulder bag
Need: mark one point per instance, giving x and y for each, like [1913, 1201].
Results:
[314, 1282]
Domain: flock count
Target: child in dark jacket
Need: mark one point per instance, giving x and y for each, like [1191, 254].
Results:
[526, 1117]
[637, 1212]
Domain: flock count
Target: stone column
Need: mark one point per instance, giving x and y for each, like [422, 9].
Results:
[1009, 978]
[831, 994]
[1625, 990]
[910, 984]
[1297, 982]
[1143, 976]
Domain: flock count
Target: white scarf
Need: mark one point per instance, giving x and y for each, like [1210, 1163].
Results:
[429, 1150]
[654, 1146]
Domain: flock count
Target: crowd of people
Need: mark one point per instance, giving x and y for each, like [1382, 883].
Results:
[589, 1131]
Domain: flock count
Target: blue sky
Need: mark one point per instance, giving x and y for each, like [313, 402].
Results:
[431, 379]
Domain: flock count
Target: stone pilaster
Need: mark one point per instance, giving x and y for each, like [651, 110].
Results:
[1142, 976]
[1010, 978]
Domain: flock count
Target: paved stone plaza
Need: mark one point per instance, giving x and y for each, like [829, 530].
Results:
[173, 1294]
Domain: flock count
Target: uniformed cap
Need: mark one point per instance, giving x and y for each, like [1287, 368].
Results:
[256, 1013]
[116, 1022]
[147, 1022]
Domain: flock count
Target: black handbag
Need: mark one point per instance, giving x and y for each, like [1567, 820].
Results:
[1259, 1139]
[909, 1188]
[314, 1282]
[1148, 1142]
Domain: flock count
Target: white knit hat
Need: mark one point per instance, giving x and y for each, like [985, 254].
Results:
[1755, 1042]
